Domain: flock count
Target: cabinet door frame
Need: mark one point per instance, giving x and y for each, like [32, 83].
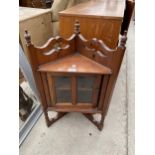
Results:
[73, 90]
[95, 90]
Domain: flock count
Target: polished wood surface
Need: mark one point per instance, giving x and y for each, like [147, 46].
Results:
[106, 9]
[72, 64]
[95, 60]
[100, 19]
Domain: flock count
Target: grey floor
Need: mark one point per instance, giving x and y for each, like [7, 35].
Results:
[75, 135]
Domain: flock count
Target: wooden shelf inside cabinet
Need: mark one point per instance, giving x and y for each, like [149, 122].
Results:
[75, 74]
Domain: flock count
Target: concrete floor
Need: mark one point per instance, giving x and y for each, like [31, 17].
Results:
[131, 88]
[71, 134]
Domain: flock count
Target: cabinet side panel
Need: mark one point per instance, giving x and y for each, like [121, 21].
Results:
[46, 89]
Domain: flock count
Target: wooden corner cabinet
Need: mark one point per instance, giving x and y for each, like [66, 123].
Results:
[75, 75]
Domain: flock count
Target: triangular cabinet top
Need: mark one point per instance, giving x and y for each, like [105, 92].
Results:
[74, 55]
[75, 63]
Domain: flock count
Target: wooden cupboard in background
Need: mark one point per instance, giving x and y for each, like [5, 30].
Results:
[37, 22]
[99, 19]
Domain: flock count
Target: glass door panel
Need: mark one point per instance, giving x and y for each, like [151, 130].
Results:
[63, 89]
[84, 96]
[85, 89]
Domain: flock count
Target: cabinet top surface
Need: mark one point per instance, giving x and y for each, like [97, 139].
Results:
[98, 8]
[27, 13]
[75, 63]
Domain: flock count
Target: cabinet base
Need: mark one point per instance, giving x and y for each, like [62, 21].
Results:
[59, 115]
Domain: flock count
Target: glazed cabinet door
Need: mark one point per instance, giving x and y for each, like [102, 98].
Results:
[75, 90]
[88, 89]
[59, 88]
[63, 92]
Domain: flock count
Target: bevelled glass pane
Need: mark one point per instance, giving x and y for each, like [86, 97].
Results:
[85, 89]
[63, 89]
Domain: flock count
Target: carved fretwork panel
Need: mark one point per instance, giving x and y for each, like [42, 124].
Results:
[53, 49]
[96, 50]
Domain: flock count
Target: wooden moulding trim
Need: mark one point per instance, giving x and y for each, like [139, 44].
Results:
[74, 90]
[51, 41]
[96, 42]
[71, 105]
[96, 90]
[72, 109]
[46, 88]
[51, 86]
[103, 91]
[74, 73]
[77, 59]
[90, 16]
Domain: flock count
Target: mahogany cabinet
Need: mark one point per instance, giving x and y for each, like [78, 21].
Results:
[75, 74]
[101, 19]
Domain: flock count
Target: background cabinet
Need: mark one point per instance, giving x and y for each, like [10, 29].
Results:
[98, 19]
[38, 22]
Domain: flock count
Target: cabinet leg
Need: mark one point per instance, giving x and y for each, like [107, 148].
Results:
[49, 121]
[99, 125]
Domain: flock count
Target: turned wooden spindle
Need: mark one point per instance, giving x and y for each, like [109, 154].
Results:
[77, 27]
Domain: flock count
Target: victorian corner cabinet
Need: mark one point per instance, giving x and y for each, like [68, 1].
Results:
[75, 75]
